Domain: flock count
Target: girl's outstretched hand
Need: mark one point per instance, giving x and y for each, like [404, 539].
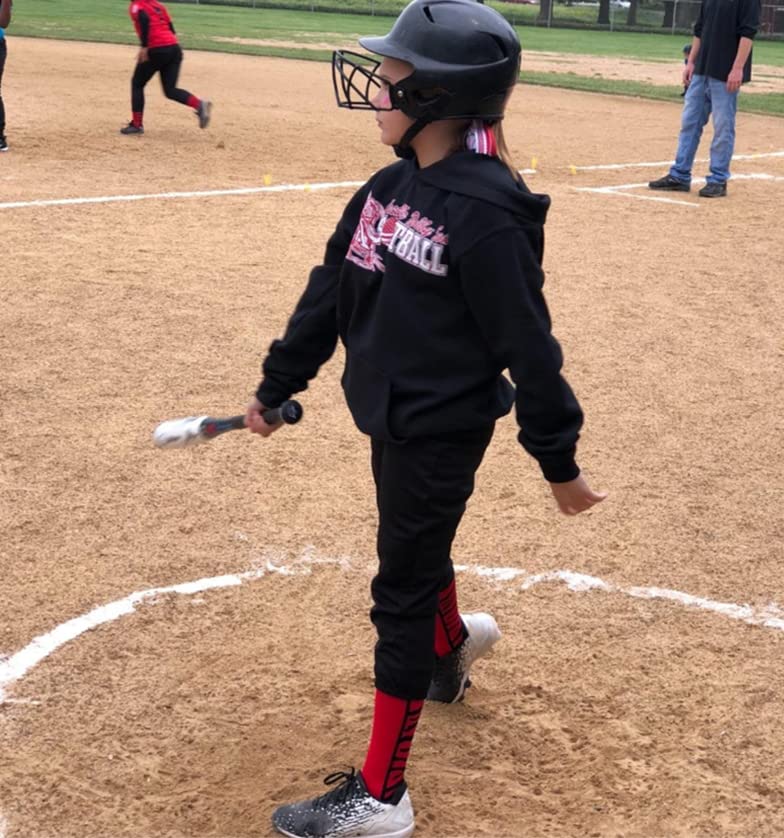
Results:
[575, 496]
[255, 421]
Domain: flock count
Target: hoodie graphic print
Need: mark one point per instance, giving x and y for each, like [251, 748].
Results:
[408, 235]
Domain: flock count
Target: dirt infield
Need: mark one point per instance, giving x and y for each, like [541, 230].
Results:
[614, 705]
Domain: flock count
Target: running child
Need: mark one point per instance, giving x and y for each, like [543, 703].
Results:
[161, 53]
[433, 282]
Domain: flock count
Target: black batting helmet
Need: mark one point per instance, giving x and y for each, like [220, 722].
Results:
[466, 58]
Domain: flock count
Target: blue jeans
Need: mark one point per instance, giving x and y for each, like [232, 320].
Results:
[706, 94]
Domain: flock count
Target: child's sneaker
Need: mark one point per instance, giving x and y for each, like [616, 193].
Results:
[348, 811]
[450, 676]
[130, 128]
[204, 112]
[3, 143]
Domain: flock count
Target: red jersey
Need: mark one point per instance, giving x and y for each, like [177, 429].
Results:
[152, 23]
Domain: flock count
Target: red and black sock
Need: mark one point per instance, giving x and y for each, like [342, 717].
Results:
[137, 118]
[450, 631]
[193, 102]
[394, 724]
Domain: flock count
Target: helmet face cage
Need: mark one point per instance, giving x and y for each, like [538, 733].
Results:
[356, 82]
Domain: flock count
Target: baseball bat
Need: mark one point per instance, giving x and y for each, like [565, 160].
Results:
[193, 430]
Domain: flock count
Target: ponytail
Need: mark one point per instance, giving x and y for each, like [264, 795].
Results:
[488, 138]
[503, 150]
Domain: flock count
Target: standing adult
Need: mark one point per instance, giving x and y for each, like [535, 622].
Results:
[5, 19]
[161, 53]
[719, 63]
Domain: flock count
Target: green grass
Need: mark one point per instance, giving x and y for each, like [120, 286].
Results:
[199, 26]
[647, 17]
[763, 103]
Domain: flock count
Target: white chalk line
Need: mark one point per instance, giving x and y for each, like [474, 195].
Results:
[668, 163]
[609, 190]
[307, 187]
[210, 193]
[621, 189]
[15, 667]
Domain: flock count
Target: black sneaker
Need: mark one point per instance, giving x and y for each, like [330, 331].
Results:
[3, 143]
[130, 128]
[450, 677]
[670, 184]
[348, 811]
[713, 190]
[204, 112]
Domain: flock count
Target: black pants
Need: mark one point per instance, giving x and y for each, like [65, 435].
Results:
[422, 488]
[3, 53]
[163, 60]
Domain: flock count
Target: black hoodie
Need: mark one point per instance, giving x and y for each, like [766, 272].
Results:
[433, 281]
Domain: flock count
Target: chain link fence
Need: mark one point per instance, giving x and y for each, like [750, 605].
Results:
[669, 16]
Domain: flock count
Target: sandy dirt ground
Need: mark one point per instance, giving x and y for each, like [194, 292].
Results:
[615, 709]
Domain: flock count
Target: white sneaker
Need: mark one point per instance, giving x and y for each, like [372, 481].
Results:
[348, 811]
[450, 676]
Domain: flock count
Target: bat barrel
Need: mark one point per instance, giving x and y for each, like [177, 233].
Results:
[179, 433]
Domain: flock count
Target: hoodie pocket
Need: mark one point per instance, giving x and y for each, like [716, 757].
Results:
[368, 393]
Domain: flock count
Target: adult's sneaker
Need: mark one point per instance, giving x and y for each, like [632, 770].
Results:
[347, 811]
[713, 190]
[130, 128]
[204, 112]
[670, 184]
[450, 676]
[3, 143]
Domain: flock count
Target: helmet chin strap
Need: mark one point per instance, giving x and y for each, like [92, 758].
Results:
[403, 148]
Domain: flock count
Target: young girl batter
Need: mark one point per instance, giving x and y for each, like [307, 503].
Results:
[433, 282]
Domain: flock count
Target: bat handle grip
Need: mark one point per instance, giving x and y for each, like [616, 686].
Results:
[289, 412]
